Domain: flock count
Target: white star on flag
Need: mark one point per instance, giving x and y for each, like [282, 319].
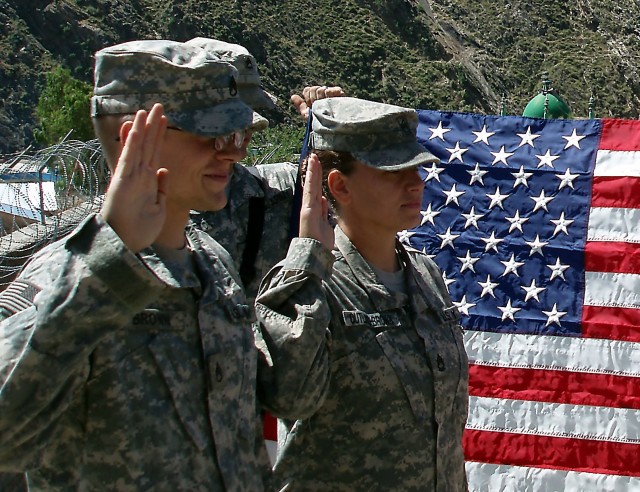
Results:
[491, 242]
[511, 266]
[447, 238]
[438, 132]
[501, 156]
[516, 221]
[456, 153]
[496, 199]
[403, 236]
[447, 281]
[541, 201]
[452, 195]
[487, 287]
[428, 215]
[554, 315]
[472, 218]
[532, 291]
[547, 159]
[566, 179]
[467, 262]
[508, 311]
[433, 173]
[536, 245]
[557, 270]
[483, 135]
[464, 306]
[477, 174]
[561, 224]
[527, 138]
[573, 140]
[521, 177]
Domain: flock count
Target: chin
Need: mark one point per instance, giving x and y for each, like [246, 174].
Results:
[213, 205]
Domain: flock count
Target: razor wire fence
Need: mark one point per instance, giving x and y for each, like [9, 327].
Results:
[44, 194]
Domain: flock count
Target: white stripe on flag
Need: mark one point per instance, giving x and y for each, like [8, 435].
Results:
[612, 289]
[614, 224]
[589, 355]
[617, 163]
[484, 477]
[554, 419]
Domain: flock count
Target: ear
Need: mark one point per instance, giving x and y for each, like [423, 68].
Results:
[338, 185]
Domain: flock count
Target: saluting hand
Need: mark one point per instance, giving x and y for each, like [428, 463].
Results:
[314, 221]
[135, 203]
[313, 93]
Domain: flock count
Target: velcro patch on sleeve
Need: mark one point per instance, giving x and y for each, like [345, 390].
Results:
[18, 296]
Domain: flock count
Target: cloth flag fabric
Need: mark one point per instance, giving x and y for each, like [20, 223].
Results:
[536, 227]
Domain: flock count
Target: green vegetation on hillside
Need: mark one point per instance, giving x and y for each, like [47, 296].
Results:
[63, 107]
[458, 55]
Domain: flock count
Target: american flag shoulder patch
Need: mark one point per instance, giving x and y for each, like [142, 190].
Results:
[18, 296]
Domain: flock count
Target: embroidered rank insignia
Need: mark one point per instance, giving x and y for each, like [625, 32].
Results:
[18, 296]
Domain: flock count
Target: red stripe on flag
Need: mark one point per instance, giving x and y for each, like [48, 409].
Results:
[552, 452]
[611, 323]
[574, 388]
[613, 257]
[620, 135]
[270, 427]
[616, 192]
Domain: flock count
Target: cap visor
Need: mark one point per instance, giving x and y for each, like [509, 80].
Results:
[257, 97]
[260, 123]
[397, 157]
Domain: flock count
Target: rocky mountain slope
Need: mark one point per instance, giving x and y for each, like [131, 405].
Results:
[444, 54]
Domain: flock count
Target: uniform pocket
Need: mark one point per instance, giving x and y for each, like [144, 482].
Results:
[182, 384]
[409, 364]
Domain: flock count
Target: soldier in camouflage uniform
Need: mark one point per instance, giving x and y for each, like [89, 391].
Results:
[127, 360]
[254, 225]
[366, 340]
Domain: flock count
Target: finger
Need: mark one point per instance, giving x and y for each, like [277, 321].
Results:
[306, 92]
[325, 209]
[321, 92]
[131, 134]
[300, 105]
[334, 91]
[307, 189]
[158, 147]
[314, 178]
[152, 132]
[162, 175]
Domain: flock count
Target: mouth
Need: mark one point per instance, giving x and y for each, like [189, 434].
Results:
[218, 177]
[415, 205]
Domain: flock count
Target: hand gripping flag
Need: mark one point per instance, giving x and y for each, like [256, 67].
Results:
[536, 227]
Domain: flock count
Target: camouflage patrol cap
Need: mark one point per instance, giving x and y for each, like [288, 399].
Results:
[197, 89]
[249, 84]
[380, 135]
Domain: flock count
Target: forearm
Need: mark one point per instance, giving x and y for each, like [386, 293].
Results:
[294, 317]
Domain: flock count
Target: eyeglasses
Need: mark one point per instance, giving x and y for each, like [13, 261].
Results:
[222, 141]
[236, 137]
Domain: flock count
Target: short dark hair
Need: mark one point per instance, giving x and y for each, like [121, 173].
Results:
[330, 160]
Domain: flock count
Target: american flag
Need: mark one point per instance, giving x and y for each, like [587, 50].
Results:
[536, 227]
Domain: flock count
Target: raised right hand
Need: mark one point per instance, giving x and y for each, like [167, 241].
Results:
[135, 201]
[314, 221]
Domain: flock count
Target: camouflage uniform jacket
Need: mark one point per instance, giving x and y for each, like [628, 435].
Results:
[275, 183]
[119, 372]
[392, 370]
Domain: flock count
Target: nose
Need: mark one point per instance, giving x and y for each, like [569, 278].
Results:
[414, 180]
